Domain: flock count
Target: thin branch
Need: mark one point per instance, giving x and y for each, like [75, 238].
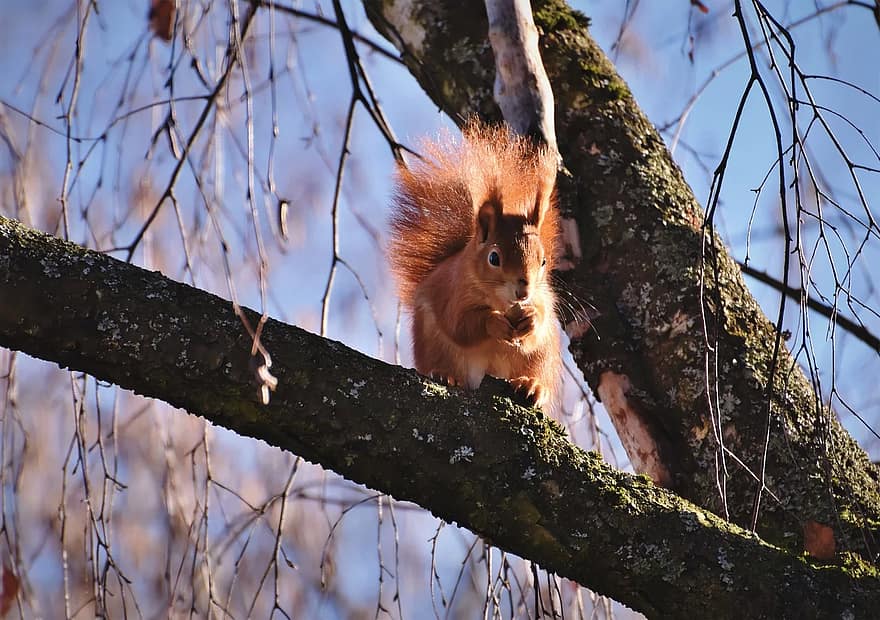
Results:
[857, 329]
[324, 21]
[232, 57]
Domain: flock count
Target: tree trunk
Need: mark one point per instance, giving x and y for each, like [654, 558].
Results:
[694, 417]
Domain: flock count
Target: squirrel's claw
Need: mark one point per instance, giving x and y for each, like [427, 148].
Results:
[529, 387]
[444, 378]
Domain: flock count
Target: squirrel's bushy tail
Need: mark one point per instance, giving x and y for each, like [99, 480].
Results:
[436, 200]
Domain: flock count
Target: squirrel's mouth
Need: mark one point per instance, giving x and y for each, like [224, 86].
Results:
[511, 297]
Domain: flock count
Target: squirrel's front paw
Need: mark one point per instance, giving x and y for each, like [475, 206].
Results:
[522, 318]
[446, 378]
[497, 326]
[530, 387]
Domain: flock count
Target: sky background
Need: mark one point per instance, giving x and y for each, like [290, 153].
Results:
[664, 50]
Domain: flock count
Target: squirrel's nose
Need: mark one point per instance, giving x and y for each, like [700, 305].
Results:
[522, 289]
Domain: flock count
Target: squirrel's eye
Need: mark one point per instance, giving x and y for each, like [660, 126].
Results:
[494, 258]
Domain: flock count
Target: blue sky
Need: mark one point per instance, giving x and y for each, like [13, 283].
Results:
[126, 69]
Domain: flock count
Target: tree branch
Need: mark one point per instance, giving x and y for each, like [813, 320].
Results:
[522, 89]
[857, 329]
[476, 458]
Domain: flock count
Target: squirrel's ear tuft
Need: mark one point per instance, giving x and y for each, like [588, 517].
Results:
[546, 181]
[487, 218]
[536, 215]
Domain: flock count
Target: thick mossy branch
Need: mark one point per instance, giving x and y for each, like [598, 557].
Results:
[642, 237]
[478, 459]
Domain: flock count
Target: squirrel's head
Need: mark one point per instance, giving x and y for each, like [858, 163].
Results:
[489, 195]
[509, 258]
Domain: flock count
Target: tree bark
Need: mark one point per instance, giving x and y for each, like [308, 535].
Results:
[694, 417]
[522, 89]
[476, 458]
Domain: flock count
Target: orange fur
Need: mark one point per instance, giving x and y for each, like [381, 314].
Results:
[492, 192]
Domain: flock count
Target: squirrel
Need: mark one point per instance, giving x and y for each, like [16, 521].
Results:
[474, 237]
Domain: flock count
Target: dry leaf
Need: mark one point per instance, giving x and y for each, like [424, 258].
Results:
[10, 590]
[162, 18]
[819, 541]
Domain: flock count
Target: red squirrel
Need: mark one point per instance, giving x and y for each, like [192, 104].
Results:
[474, 236]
